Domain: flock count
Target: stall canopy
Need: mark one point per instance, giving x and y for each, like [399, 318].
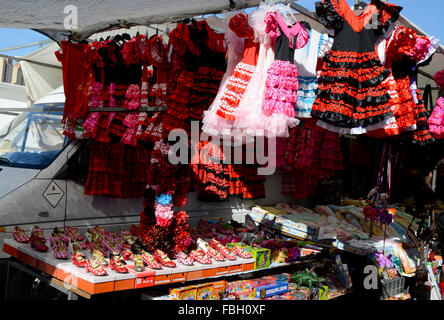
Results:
[42, 72]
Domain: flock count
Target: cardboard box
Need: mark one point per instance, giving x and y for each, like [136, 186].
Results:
[204, 291]
[184, 293]
[271, 289]
[262, 256]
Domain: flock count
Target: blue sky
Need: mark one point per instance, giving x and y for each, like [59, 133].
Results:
[426, 14]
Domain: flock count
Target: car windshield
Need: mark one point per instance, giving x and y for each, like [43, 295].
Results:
[34, 139]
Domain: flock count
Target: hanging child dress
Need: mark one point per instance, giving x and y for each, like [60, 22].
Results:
[281, 85]
[306, 59]
[436, 120]
[351, 96]
[213, 124]
[239, 79]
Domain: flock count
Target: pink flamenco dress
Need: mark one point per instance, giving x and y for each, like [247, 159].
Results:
[213, 124]
[251, 120]
[436, 120]
[281, 90]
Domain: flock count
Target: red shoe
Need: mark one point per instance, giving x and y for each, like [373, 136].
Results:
[127, 255]
[150, 261]
[37, 239]
[93, 266]
[242, 253]
[78, 258]
[223, 250]
[163, 258]
[199, 256]
[117, 263]
[19, 235]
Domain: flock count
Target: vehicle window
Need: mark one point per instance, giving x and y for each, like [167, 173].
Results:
[34, 140]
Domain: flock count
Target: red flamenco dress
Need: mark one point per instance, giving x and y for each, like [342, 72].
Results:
[238, 81]
[352, 96]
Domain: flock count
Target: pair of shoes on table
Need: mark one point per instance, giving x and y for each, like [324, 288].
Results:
[138, 249]
[210, 252]
[184, 259]
[227, 253]
[117, 263]
[37, 239]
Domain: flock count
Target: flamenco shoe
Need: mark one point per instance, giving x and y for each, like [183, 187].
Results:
[223, 250]
[58, 246]
[163, 259]
[199, 256]
[73, 233]
[127, 255]
[93, 265]
[61, 233]
[184, 259]
[138, 263]
[98, 255]
[37, 239]
[19, 235]
[242, 253]
[77, 257]
[150, 261]
[117, 263]
[211, 253]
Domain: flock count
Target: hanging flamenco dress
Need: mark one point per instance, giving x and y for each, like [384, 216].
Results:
[306, 59]
[241, 76]
[211, 57]
[352, 96]
[213, 124]
[281, 89]
[251, 120]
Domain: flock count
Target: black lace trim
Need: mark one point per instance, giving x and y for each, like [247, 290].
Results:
[369, 100]
[342, 121]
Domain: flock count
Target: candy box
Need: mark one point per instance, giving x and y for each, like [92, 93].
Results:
[204, 291]
[262, 256]
[184, 293]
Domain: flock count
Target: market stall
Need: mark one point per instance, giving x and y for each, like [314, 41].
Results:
[138, 113]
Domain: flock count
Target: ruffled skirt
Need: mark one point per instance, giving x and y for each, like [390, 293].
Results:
[352, 96]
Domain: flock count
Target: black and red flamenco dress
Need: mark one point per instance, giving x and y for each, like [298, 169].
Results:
[353, 95]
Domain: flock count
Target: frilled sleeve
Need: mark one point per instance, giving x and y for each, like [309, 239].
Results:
[388, 14]
[325, 44]
[271, 25]
[302, 37]
[328, 16]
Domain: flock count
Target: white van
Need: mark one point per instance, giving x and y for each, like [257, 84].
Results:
[42, 175]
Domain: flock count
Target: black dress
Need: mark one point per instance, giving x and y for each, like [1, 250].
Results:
[352, 96]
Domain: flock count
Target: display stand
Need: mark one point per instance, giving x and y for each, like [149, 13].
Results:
[75, 282]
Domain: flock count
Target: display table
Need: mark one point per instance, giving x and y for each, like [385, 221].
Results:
[64, 274]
